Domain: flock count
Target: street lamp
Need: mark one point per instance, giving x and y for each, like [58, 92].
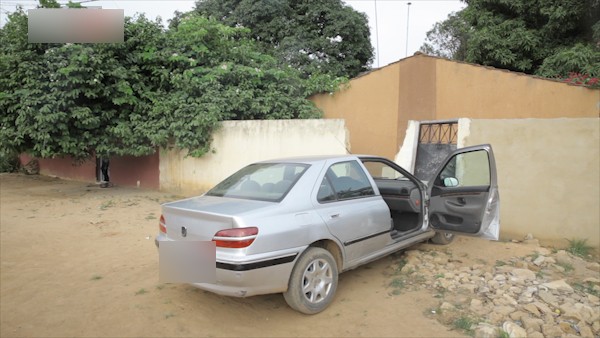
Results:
[407, 18]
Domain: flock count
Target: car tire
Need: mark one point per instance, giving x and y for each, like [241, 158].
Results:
[313, 282]
[442, 238]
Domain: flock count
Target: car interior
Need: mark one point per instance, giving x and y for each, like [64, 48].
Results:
[402, 196]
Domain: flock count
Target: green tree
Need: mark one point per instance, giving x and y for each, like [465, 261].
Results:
[158, 88]
[448, 38]
[313, 36]
[546, 37]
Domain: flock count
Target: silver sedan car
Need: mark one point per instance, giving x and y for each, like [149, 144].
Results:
[291, 226]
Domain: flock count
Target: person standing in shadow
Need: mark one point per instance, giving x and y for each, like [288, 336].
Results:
[104, 163]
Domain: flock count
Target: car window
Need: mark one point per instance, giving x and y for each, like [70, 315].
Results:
[260, 181]
[347, 180]
[466, 170]
[381, 170]
[326, 192]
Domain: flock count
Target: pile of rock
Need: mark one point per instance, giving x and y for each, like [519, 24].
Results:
[541, 295]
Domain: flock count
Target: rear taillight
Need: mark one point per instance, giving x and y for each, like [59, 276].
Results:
[161, 225]
[235, 238]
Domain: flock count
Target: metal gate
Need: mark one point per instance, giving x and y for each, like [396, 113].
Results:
[437, 139]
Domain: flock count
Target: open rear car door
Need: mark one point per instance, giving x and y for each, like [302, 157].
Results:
[463, 194]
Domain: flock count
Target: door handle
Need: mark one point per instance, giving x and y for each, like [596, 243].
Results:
[334, 216]
[460, 202]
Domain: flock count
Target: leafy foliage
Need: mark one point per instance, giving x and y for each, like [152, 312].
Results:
[448, 39]
[158, 88]
[313, 36]
[548, 38]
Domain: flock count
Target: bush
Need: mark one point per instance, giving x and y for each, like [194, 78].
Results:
[9, 161]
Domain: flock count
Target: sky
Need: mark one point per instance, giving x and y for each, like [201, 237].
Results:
[387, 19]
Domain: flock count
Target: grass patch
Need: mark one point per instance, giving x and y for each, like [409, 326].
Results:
[141, 292]
[107, 204]
[169, 315]
[401, 263]
[96, 277]
[503, 334]
[579, 247]
[464, 323]
[150, 217]
[567, 266]
[439, 275]
[500, 263]
[587, 287]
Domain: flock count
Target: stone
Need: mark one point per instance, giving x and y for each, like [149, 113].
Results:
[534, 324]
[535, 334]
[594, 266]
[596, 326]
[580, 312]
[518, 315]
[542, 307]
[563, 257]
[593, 299]
[567, 327]
[503, 309]
[485, 330]
[447, 307]
[551, 330]
[514, 330]
[585, 330]
[592, 280]
[528, 237]
[548, 298]
[523, 274]
[539, 261]
[470, 287]
[531, 308]
[534, 242]
[560, 285]
[543, 251]
[476, 305]
[500, 278]
[509, 300]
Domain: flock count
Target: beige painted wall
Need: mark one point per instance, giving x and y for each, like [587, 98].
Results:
[465, 90]
[239, 143]
[548, 174]
[378, 105]
[370, 107]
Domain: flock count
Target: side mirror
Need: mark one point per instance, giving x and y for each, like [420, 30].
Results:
[450, 182]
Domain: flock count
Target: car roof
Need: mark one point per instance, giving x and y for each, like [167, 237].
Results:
[311, 159]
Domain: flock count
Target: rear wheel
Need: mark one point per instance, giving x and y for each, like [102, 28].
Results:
[313, 282]
[442, 238]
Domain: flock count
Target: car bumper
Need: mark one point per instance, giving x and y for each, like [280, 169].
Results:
[250, 275]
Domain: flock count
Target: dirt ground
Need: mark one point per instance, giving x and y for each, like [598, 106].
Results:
[78, 260]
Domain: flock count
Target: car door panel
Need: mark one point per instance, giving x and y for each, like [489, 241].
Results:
[470, 204]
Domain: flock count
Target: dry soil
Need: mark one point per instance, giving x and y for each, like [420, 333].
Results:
[78, 260]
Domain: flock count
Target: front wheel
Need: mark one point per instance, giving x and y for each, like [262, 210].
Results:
[442, 238]
[313, 282]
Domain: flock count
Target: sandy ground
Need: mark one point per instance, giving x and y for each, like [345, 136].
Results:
[77, 260]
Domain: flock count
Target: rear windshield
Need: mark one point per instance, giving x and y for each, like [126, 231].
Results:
[261, 181]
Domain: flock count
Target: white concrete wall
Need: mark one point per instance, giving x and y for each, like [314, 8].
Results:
[548, 176]
[239, 143]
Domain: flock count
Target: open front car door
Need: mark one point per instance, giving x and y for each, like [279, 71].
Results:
[464, 195]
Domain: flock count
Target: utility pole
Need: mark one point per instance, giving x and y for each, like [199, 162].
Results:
[376, 35]
[407, 18]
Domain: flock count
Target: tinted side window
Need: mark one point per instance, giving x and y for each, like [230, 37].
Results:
[326, 192]
[348, 180]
